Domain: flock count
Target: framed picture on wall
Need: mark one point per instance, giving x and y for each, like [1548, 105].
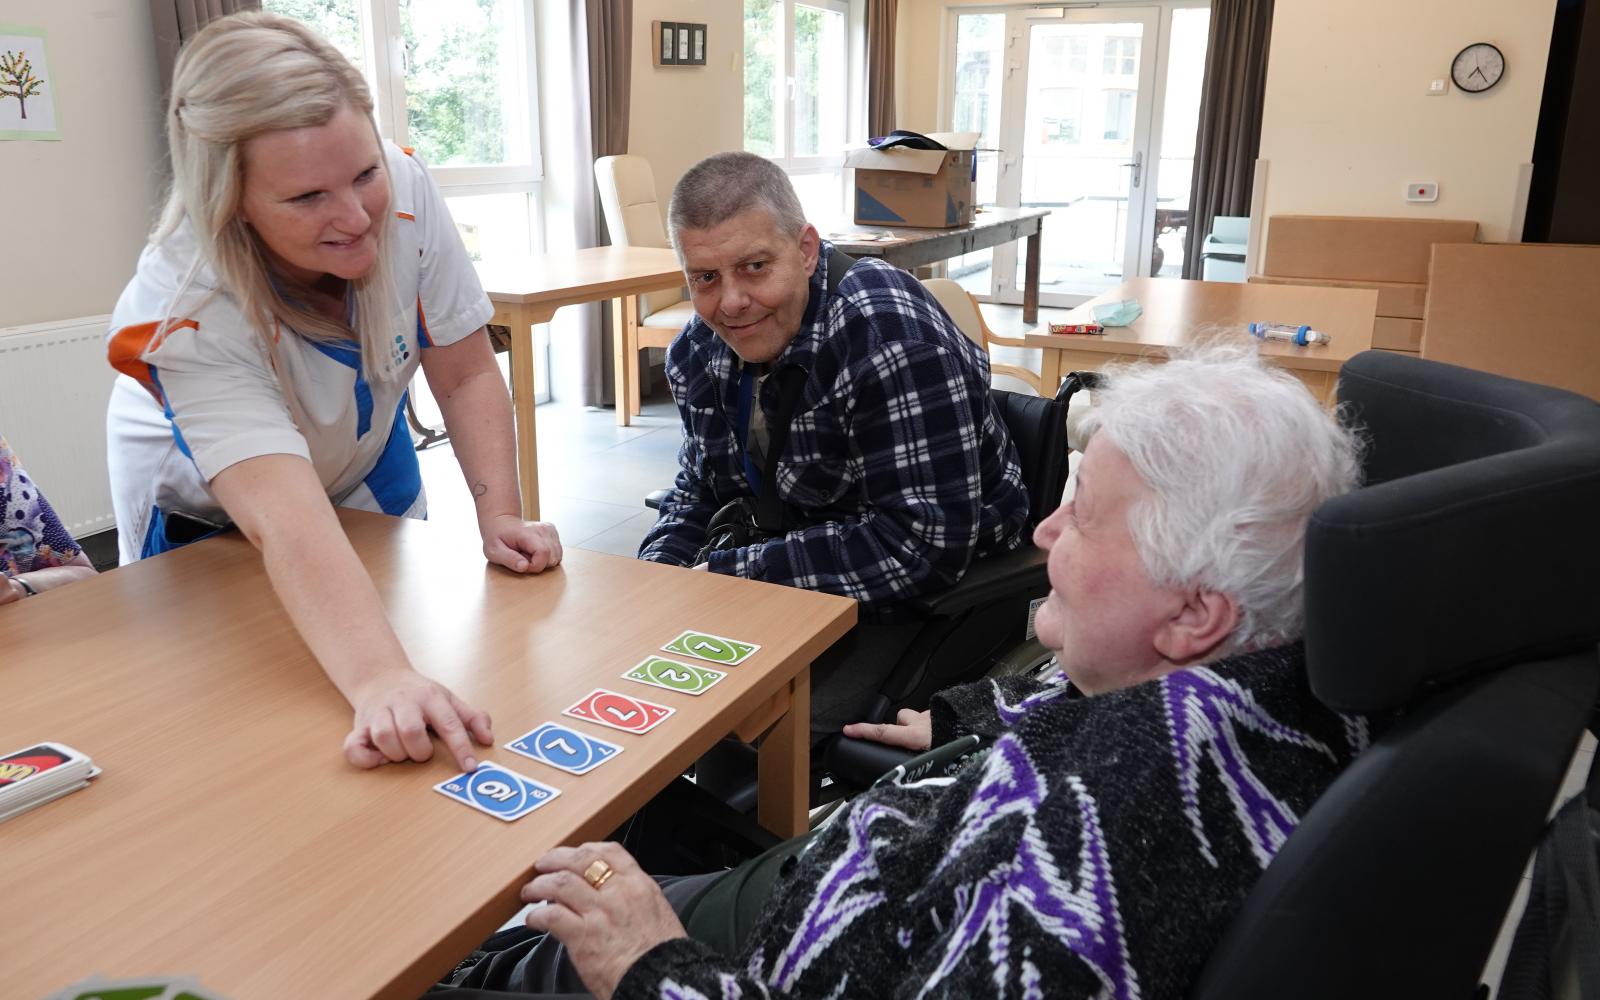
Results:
[684, 43]
[666, 33]
[698, 48]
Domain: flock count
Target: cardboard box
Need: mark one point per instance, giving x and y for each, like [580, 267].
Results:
[1348, 248]
[920, 188]
[1520, 309]
[1399, 299]
[1391, 334]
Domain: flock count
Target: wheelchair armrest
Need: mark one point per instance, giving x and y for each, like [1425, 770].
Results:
[986, 580]
[856, 764]
[654, 498]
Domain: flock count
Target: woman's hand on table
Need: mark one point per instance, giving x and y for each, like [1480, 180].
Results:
[608, 927]
[521, 546]
[393, 713]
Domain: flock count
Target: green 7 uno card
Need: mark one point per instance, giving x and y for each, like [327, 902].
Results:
[716, 648]
[684, 678]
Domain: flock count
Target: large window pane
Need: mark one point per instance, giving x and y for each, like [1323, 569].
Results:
[762, 52]
[820, 81]
[464, 82]
[336, 20]
[1186, 70]
[980, 68]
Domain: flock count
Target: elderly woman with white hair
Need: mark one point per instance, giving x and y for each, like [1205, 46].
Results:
[302, 272]
[1125, 807]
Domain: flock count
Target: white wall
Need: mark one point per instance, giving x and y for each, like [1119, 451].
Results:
[682, 114]
[919, 47]
[1348, 123]
[82, 206]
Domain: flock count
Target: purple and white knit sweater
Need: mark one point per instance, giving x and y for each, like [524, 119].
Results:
[1098, 850]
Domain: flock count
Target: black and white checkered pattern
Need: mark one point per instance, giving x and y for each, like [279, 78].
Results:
[898, 469]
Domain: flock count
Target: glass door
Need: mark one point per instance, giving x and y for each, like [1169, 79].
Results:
[1073, 99]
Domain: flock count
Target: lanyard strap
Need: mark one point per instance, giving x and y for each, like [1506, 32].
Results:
[747, 387]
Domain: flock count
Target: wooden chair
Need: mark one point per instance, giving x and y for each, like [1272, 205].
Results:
[633, 215]
[964, 312]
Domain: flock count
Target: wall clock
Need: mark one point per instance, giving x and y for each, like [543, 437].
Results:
[1478, 67]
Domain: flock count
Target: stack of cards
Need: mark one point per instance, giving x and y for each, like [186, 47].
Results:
[35, 775]
[146, 988]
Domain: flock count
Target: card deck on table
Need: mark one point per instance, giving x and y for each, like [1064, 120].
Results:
[716, 648]
[608, 708]
[35, 775]
[684, 678]
[564, 748]
[498, 791]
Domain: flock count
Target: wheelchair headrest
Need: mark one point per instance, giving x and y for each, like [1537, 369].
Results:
[1038, 427]
[1475, 543]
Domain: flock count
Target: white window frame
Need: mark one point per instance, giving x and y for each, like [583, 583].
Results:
[855, 88]
[383, 47]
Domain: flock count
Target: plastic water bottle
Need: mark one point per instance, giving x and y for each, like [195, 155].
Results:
[1298, 335]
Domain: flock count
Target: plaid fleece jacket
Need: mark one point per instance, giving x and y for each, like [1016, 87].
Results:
[898, 470]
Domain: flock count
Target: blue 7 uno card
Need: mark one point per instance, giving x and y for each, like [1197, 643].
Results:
[497, 791]
[564, 748]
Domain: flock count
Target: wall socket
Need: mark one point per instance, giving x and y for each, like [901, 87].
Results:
[1422, 191]
[1437, 88]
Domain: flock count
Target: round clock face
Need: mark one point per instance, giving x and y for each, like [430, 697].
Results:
[1478, 67]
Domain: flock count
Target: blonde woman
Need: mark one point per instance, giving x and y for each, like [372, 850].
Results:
[302, 271]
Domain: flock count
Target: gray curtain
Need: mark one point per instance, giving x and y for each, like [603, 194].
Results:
[1229, 135]
[176, 21]
[880, 66]
[602, 67]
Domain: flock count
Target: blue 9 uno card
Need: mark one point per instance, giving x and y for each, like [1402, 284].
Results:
[497, 791]
[564, 748]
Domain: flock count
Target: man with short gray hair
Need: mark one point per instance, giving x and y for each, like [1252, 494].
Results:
[894, 469]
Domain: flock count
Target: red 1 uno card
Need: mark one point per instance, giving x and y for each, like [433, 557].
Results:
[618, 711]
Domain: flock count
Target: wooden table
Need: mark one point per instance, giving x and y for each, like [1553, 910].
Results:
[993, 226]
[1179, 312]
[527, 291]
[228, 839]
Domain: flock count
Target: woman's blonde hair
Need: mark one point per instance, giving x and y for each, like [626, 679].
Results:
[240, 77]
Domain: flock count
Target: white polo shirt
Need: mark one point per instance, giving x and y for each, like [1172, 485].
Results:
[206, 397]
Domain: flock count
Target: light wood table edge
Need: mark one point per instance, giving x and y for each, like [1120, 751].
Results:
[783, 800]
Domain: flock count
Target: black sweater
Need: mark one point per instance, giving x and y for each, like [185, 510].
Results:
[1099, 849]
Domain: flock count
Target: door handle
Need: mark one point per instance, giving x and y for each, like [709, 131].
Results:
[1137, 163]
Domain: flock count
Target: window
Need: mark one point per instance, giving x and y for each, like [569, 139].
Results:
[1121, 57]
[1061, 108]
[1077, 54]
[455, 80]
[1119, 115]
[800, 87]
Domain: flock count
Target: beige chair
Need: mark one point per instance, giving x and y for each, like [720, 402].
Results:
[963, 310]
[633, 216]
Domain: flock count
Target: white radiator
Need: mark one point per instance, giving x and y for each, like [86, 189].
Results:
[54, 385]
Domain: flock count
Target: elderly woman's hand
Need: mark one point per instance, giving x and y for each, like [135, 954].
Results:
[607, 926]
[910, 730]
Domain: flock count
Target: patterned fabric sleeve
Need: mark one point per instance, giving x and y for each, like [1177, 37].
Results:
[31, 535]
[680, 527]
[990, 707]
[915, 438]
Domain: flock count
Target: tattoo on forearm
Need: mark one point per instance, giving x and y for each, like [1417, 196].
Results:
[479, 489]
